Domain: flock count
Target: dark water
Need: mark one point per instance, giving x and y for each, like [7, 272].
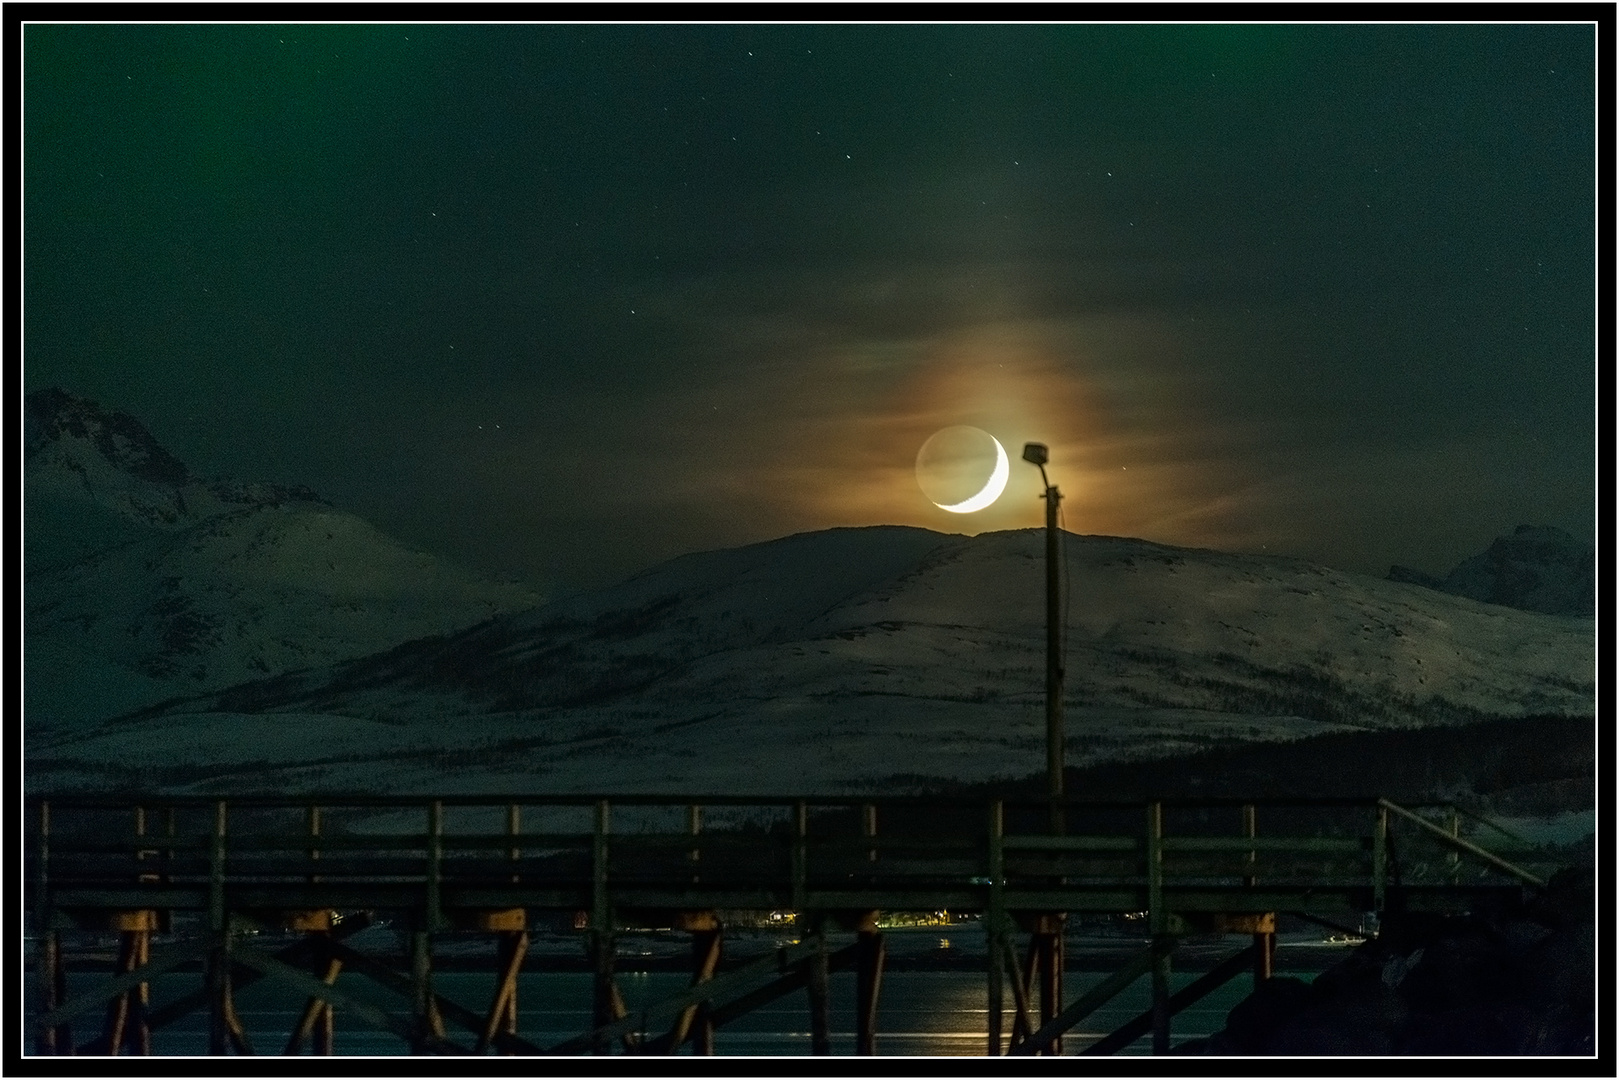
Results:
[921, 1012]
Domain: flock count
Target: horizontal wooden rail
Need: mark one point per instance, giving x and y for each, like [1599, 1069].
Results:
[1328, 863]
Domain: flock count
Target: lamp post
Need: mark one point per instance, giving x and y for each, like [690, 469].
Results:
[1035, 454]
[1046, 941]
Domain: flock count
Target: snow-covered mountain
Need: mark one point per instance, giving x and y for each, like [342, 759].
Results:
[875, 658]
[1536, 568]
[144, 582]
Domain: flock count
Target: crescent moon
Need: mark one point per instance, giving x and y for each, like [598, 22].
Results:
[992, 487]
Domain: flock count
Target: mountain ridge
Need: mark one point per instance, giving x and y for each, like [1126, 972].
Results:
[801, 662]
[1534, 568]
[145, 583]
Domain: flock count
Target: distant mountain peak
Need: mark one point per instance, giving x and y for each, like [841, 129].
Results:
[53, 414]
[146, 579]
[102, 470]
[1534, 568]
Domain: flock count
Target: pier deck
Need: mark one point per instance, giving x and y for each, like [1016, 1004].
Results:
[198, 873]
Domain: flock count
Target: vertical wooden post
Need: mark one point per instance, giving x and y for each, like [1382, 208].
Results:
[53, 987]
[118, 1007]
[1054, 660]
[428, 1025]
[516, 942]
[434, 920]
[1249, 830]
[1264, 941]
[1454, 859]
[694, 827]
[1158, 919]
[514, 828]
[819, 992]
[218, 974]
[168, 852]
[1047, 947]
[313, 817]
[800, 857]
[601, 931]
[52, 978]
[1380, 859]
[140, 850]
[873, 952]
[326, 1025]
[994, 915]
[140, 995]
[421, 985]
[139, 943]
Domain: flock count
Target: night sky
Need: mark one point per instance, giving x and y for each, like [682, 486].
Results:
[561, 302]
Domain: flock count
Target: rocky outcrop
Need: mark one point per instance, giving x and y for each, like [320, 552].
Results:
[1516, 983]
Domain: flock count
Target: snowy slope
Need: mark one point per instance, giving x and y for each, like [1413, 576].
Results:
[856, 659]
[144, 583]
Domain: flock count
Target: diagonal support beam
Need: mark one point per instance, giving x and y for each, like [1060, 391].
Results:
[1462, 845]
[378, 972]
[1205, 984]
[312, 1012]
[1023, 1023]
[183, 1006]
[779, 962]
[796, 978]
[171, 958]
[517, 950]
[315, 988]
[1100, 995]
[705, 971]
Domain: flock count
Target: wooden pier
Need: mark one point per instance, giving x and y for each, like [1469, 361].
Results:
[205, 874]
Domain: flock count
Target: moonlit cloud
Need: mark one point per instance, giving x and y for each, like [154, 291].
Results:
[566, 311]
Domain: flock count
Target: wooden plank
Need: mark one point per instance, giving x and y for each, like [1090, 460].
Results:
[1071, 843]
[1303, 845]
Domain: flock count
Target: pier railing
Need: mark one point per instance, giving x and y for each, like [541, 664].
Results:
[561, 852]
[138, 864]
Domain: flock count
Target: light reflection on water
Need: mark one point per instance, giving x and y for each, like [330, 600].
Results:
[923, 1013]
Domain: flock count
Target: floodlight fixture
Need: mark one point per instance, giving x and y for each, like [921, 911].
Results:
[1035, 453]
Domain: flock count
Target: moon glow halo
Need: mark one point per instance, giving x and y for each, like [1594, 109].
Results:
[953, 460]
